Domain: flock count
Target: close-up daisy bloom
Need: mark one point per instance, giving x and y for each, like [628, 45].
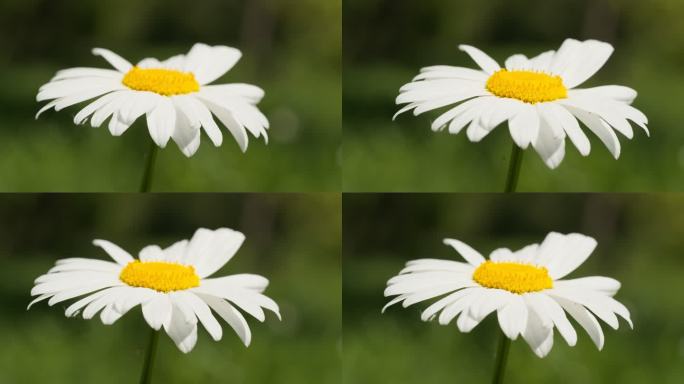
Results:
[172, 286]
[174, 95]
[538, 98]
[525, 288]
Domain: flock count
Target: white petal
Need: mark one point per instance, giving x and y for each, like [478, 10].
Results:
[591, 302]
[513, 317]
[571, 127]
[549, 144]
[472, 114]
[431, 311]
[542, 62]
[121, 64]
[94, 106]
[616, 92]
[242, 280]
[185, 135]
[150, 62]
[209, 63]
[591, 57]
[114, 251]
[537, 335]
[585, 319]
[161, 121]
[151, 253]
[203, 313]
[485, 62]
[231, 315]
[461, 305]
[524, 126]
[473, 257]
[180, 330]
[210, 250]
[157, 311]
[541, 302]
[600, 128]
[562, 254]
[517, 63]
[232, 124]
[176, 252]
[203, 116]
[237, 90]
[602, 284]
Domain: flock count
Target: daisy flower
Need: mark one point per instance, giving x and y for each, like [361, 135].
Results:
[171, 285]
[524, 288]
[537, 97]
[173, 94]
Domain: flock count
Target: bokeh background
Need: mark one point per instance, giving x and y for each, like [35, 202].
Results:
[386, 42]
[291, 48]
[293, 240]
[639, 243]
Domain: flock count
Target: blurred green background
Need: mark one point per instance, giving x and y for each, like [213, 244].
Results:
[386, 43]
[293, 240]
[639, 243]
[291, 48]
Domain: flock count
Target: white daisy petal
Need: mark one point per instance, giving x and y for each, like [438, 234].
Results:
[485, 62]
[151, 253]
[210, 250]
[571, 128]
[615, 92]
[180, 330]
[513, 317]
[114, 251]
[550, 143]
[600, 128]
[538, 336]
[592, 56]
[472, 256]
[517, 62]
[161, 121]
[157, 311]
[184, 134]
[585, 319]
[119, 63]
[209, 63]
[231, 316]
[524, 126]
[562, 254]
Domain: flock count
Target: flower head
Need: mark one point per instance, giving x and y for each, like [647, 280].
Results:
[173, 94]
[537, 96]
[524, 288]
[171, 285]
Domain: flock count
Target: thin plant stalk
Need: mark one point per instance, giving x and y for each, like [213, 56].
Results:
[501, 358]
[513, 169]
[150, 354]
[149, 168]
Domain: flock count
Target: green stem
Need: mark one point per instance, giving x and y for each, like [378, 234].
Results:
[514, 169]
[501, 357]
[149, 168]
[149, 358]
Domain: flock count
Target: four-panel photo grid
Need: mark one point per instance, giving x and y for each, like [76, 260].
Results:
[341, 191]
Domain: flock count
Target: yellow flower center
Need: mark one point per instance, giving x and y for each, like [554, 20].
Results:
[528, 86]
[165, 82]
[512, 277]
[159, 275]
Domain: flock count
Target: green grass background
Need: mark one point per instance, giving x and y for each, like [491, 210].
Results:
[293, 240]
[293, 56]
[639, 243]
[387, 42]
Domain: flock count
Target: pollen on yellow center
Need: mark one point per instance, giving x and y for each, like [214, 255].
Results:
[160, 276]
[165, 82]
[512, 277]
[527, 86]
